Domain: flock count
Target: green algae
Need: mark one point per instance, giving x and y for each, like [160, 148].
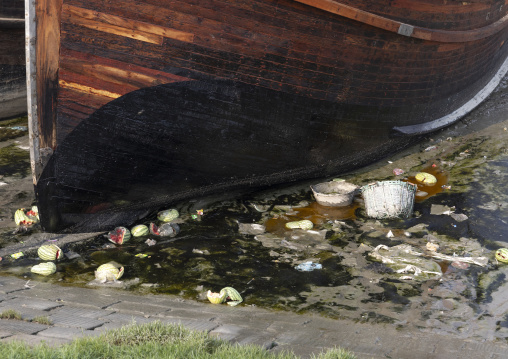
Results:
[14, 161]
[7, 132]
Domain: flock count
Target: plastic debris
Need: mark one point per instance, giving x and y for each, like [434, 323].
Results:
[251, 228]
[403, 259]
[19, 128]
[151, 242]
[430, 148]
[421, 194]
[141, 255]
[459, 217]
[390, 234]
[199, 212]
[432, 246]
[398, 171]
[308, 266]
[439, 209]
[17, 255]
[460, 265]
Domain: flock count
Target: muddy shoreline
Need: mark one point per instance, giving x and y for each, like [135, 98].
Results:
[212, 252]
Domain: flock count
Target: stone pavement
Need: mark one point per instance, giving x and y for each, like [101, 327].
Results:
[76, 312]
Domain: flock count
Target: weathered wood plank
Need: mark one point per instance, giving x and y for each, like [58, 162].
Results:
[131, 28]
[48, 13]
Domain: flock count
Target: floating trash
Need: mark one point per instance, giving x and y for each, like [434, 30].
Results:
[108, 272]
[398, 171]
[119, 235]
[334, 193]
[49, 252]
[141, 255]
[389, 199]
[303, 224]
[421, 194]
[151, 242]
[168, 215]
[460, 265]
[17, 255]
[308, 266]
[431, 246]
[45, 269]
[140, 230]
[426, 178]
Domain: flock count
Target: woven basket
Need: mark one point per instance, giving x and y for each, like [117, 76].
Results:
[389, 199]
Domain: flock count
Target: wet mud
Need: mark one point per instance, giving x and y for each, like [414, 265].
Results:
[434, 271]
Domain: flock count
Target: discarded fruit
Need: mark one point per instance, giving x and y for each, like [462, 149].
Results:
[216, 298]
[108, 272]
[426, 178]
[45, 269]
[165, 229]
[139, 230]
[168, 215]
[226, 293]
[119, 235]
[22, 219]
[49, 252]
[303, 224]
[502, 255]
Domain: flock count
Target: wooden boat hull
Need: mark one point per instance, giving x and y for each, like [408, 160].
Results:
[12, 60]
[148, 103]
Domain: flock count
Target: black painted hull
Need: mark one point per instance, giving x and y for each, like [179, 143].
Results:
[164, 144]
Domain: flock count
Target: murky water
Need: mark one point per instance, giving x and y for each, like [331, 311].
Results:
[216, 249]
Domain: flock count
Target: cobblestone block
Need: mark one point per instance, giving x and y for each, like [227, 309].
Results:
[199, 325]
[62, 319]
[81, 312]
[19, 326]
[40, 304]
[25, 312]
[125, 319]
[66, 333]
[139, 308]
[4, 334]
[33, 340]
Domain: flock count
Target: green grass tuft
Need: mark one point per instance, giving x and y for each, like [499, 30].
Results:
[151, 341]
[10, 314]
[42, 320]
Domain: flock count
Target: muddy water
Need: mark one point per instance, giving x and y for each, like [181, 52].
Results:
[217, 249]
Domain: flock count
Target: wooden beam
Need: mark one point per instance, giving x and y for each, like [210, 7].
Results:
[406, 29]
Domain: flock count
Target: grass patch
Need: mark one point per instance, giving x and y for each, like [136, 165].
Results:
[153, 340]
[42, 320]
[10, 314]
